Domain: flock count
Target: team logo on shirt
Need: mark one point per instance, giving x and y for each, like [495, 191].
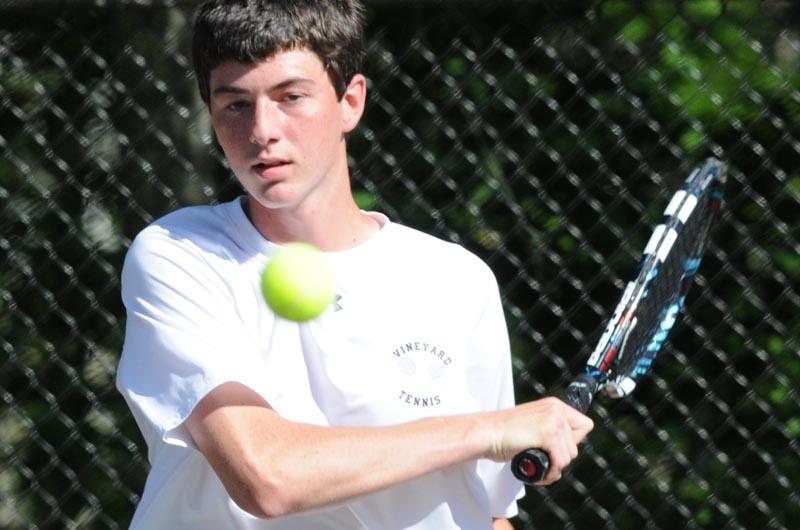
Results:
[422, 363]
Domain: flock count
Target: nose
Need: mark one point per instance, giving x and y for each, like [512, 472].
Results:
[264, 128]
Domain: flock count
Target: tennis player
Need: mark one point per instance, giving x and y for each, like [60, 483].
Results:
[395, 408]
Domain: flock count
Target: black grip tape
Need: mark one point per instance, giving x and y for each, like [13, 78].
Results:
[530, 466]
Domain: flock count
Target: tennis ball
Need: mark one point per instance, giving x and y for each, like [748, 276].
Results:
[296, 283]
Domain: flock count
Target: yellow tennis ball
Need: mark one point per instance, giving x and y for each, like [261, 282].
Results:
[296, 283]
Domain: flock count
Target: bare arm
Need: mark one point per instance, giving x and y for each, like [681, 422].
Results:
[501, 524]
[271, 466]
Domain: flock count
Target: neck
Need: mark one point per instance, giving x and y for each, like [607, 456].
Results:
[329, 221]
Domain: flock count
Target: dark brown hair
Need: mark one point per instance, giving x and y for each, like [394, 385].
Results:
[248, 31]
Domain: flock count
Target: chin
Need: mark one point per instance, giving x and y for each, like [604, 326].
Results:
[269, 200]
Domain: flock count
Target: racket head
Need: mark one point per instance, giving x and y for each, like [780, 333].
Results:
[652, 301]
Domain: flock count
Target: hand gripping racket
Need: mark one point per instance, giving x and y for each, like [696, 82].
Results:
[649, 306]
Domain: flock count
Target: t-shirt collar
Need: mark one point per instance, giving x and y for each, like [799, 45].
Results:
[253, 238]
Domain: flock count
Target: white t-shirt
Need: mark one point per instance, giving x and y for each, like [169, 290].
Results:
[418, 330]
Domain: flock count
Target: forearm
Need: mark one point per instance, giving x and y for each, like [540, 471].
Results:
[323, 465]
[271, 466]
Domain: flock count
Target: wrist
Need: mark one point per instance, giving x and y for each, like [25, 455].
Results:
[480, 435]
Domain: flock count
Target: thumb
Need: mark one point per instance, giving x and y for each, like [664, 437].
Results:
[580, 424]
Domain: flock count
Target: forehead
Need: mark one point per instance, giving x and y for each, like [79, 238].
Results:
[299, 64]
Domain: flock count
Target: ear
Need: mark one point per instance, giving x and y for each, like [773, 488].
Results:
[353, 101]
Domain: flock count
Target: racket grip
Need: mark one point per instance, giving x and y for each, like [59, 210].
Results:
[530, 466]
[580, 392]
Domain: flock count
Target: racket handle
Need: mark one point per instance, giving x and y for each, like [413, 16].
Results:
[580, 392]
[530, 466]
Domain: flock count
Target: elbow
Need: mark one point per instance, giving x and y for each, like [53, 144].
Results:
[262, 508]
[268, 494]
[258, 505]
[269, 505]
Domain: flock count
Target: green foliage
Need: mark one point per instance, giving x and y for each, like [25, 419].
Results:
[637, 30]
[787, 260]
[702, 10]
[364, 199]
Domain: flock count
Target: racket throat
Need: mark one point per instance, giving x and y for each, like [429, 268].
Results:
[618, 345]
[619, 387]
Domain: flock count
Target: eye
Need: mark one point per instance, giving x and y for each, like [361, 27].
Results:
[237, 106]
[293, 97]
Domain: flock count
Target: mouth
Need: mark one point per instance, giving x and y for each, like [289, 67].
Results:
[270, 168]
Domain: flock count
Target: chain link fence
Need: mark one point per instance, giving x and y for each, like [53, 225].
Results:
[544, 136]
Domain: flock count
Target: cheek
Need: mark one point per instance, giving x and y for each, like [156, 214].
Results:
[228, 136]
[319, 133]
[227, 149]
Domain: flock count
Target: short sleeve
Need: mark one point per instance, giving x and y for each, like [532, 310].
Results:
[183, 336]
[491, 376]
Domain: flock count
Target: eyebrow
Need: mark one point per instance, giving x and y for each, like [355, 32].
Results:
[228, 89]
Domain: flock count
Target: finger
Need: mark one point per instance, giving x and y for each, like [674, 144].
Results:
[560, 457]
[580, 425]
[559, 463]
[556, 465]
[581, 432]
[571, 446]
[552, 476]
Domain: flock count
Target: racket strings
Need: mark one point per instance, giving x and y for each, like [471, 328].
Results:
[667, 283]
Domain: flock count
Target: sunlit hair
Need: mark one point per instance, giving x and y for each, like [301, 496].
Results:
[249, 31]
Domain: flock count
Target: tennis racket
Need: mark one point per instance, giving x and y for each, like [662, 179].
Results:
[649, 306]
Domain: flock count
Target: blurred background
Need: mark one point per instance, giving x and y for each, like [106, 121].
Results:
[545, 136]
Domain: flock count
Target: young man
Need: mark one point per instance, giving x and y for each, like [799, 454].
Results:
[394, 409]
